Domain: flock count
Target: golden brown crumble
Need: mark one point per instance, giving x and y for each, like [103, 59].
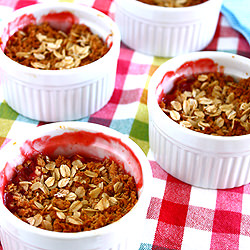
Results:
[210, 103]
[43, 47]
[70, 194]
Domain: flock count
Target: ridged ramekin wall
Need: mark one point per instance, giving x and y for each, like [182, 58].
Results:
[164, 31]
[197, 167]
[58, 103]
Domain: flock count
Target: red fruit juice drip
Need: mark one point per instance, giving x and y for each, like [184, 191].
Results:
[60, 21]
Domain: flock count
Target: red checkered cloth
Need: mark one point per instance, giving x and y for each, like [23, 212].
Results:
[179, 216]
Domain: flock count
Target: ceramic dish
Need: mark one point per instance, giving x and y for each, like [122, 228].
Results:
[58, 95]
[166, 31]
[199, 159]
[94, 141]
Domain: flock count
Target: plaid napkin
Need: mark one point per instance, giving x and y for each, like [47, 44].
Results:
[179, 216]
[238, 15]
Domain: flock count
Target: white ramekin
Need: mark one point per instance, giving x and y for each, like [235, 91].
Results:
[198, 159]
[58, 95]
[166, 31]
[91, 140]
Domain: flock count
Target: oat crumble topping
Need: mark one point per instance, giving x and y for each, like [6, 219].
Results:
[43, 47]
[210, 103]
[70, 194]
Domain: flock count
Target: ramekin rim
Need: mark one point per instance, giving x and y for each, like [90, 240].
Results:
[115, 33]
[152, 87]
[168, 9]
[146, 171]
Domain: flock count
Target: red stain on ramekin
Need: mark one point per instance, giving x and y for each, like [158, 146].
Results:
[78, 140]
[189, 68]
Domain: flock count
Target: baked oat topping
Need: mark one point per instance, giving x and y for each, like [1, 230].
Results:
[70, 194]
[210, 103]
[173, 3]
[43, 47]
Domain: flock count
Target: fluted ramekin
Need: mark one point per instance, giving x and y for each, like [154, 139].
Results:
[91, 140]
[58, 95]
[166, 31]
[198, 159]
